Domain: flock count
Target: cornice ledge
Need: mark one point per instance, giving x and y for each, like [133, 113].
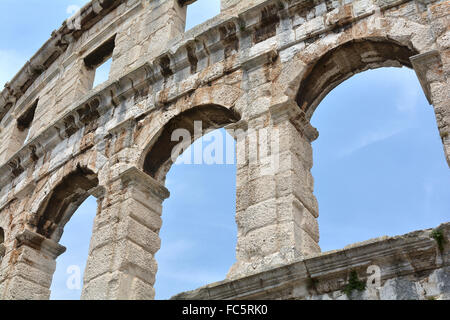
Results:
[39, 242]
[135, 176]
[52, 49]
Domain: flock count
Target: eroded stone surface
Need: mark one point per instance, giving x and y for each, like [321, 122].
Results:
[412, 267]
[247, 69]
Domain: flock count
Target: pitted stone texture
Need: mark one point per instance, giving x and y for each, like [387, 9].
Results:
[249, 67]
[405, 274]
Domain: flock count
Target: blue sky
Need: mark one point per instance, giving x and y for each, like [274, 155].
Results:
[379, 166]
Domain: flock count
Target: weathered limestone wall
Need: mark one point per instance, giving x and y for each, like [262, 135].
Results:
[260, 67]
[140, 28]
[410, 267]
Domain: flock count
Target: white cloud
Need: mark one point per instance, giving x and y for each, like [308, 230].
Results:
[428, 196]
[407, 95]
[368, 139]
[72, 9]
[407, 99]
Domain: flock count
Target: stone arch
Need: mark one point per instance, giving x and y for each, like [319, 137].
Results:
[215, 106]
[372, 43]
[344, 61]
[157, 161]
[53, 202]
[2, 240]
[44, 187]
[62, 201]
[377, 28]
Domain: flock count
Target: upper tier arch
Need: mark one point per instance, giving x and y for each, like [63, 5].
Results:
[343, 62]
[158, 159]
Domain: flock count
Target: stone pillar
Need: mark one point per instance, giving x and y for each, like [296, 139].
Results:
[276, 211]
[121, 263]
[30, 269]
[432, 76]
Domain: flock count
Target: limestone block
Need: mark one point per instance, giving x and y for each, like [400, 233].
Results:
[255, 191]
[363, 7]
[97, 288]
[309, 28]
[22, 289]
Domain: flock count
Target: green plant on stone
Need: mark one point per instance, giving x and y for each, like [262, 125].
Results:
[241, 24]
[438, 235]
[354, 284]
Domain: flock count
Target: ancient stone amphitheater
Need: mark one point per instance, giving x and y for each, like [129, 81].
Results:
[258, 65]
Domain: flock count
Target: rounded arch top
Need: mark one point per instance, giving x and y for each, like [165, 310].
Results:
[344, 61]
[405, 33]
[192, 123]
[62, 201]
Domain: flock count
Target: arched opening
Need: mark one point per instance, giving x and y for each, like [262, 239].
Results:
[67, 283]
[378, 165]
[71, 195]
[62, 202]
[343, 62]
[198, 236]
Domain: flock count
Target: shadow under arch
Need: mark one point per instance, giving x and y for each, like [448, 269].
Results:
[157, 157]
[62, 202]
[158, 160]
[346, 60]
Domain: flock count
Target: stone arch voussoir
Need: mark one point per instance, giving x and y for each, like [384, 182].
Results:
[217, 102]
[74, 181]
[376, 28]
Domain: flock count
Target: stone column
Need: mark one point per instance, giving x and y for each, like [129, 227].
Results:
[432, 76]
[121, 263]
[276, 211]
[2, 251]
[32, 263]
[433, 70]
